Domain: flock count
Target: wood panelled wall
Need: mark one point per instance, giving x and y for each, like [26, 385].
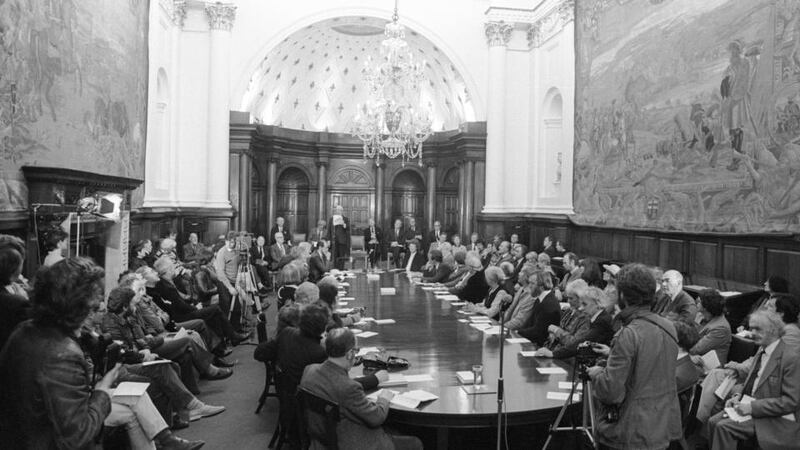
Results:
[736, 259]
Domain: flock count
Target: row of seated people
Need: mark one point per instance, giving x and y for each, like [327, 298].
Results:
[64, 350]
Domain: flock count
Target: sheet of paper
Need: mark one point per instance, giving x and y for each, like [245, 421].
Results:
[367, 334]
[568, 386]
[374, 395]
[734, 415]
[551, 371]
[346, 299]
[182, 333]
[463, 320]
[385, 321]
[492, 330]
[395, 379]
[466, 313]
[725, 387]
[528, 353]
[562, 396]
[158, 361]
[727, 294]
[388, 291]
[419, 378]
[448, 297]
[480, 319]
[480, 326]
[710, 360]
[356, 330]
[458, 303]
[130, 389]
[344, 311]
[472, 389]
[427, 288]
[518, 340]
[420, 395]
[367, 350]
[404, 401]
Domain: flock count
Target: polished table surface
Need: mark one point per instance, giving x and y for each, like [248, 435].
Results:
[428, 334]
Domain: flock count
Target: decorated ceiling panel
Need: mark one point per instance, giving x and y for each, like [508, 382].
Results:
[312, 79]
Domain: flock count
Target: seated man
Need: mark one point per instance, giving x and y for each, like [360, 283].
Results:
[545, 312]
[772, 379]
[672, 301]
[361, 419]
[414, 259]
[472, 287]
[437, 271]
[495, 297]
[520, 309]
[320, 261]
[459, 269]
[279, 252]
[599, 328]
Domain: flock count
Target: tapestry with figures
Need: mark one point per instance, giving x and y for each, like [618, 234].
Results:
[688, 115]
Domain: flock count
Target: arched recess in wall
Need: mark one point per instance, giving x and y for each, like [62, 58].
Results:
[292, 199]
[408, 197]
[447, 202]
[352, 188]
[161, 131]
[551, 161]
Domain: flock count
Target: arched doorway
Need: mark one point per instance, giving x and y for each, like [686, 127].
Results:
[408, 197]
[448, 203]
[292, 199]
[551, 166]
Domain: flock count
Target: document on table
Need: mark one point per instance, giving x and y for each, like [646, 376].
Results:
[384, 321]
[419, 378]
[480, 325]
[367, 350]
[410, 399]
[568, 386]
[466, 313]
[427, 288]
[448, 297]
[528, 353]
[727, 294]
[480, 319]
[734, 415]
[367, 334]
[463, 320]
[344, 311]
[562, 396]
[518, 340]
[458, 303]
[551, 371]
[492, 330]
[388, 291]
[346, 299]
[395, 379]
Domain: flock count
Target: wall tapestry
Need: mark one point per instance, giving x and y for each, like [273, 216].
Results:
[687, 115]
[73, 89]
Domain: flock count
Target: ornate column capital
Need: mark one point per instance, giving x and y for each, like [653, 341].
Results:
[566, 10]
[176, 10]
[497, 33]
[220, 15]
[534, 35]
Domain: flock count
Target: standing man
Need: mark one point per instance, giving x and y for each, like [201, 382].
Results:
[373, 236]
[636, 390]
[339, 235]
[280, 227]
[396, 240]
[226, 266]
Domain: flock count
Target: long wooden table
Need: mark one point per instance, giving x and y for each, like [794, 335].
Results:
[427, 333]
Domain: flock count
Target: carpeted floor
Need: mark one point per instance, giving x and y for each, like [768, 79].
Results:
[238, 427]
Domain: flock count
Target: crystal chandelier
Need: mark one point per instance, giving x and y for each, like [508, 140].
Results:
[389, 124]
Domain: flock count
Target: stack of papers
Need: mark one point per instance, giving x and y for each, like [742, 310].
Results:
[367, 334]
[710, 361]
[388, 291]
[448, 297]
[395, 379]
[128, 393]
[518, 340]
[410, 399]
[367, 350]
[734, 415]
[384, 321]
[465, 376]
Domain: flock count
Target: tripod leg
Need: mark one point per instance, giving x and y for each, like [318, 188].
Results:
[589, 405]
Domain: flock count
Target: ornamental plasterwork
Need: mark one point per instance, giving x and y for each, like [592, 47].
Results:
[220, 15]
[497, 33]
[175, 10]
[534, 35]
[510, 15]
[551, 23]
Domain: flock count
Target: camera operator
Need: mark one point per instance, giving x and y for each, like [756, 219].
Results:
[639, 402]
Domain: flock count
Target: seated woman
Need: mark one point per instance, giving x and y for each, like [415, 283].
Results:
[573, 320]
[48, 400]
[591, 273]
[715, 333]
[772, 287]
[494, 298]
[788, 308]
[327, 296]
[599, 330]
[289, 278]
[546, 310]
[122, 323]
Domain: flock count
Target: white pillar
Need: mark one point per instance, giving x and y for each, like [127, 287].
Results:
[220, 19]
[497, 36]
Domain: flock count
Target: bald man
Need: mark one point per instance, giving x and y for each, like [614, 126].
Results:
[673, 301]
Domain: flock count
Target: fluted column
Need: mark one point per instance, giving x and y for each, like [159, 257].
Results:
[379, 213]
[497, 36]
[469, 199]
[220, 19]
[462, 217]
[430, 205]
[322, 189]
[272, 188]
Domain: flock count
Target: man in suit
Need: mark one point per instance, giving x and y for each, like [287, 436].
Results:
[503, 254]
[281, 227]
[413, 233]
[546, 310]
[339, 235]
[772, 379]
[674, 302]
[414, 259]
[361, 418]
[573, 272]
[599, 328]
[279, 252]
[373, 236]
[433, 235]
[472, 287]
[518, 254]
[549, 247]
[437, 270]
[319, 232]
[260, 258]
[320, 261]
[474, 239]
[396, 242]
[193, 251]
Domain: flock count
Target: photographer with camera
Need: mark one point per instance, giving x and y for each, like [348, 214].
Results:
[636, 389]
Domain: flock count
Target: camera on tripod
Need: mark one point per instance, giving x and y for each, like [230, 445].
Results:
[585, 358]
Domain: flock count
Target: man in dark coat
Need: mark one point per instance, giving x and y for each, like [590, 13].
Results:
[339, 234]
[373, 236]
[280, 227]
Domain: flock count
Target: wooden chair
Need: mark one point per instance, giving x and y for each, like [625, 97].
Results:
[298, 238]
[287, 429]
[358, 250]
[270, 381]
[318, 420]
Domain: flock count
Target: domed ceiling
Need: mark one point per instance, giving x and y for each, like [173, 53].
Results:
[312, 79]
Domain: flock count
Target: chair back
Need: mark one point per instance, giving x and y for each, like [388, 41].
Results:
[319, 419]
[298, 238]
[357, 243]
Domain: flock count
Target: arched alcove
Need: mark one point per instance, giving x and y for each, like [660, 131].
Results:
[408, 197]
[552, 143]
[448, 204]
[292, 198]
